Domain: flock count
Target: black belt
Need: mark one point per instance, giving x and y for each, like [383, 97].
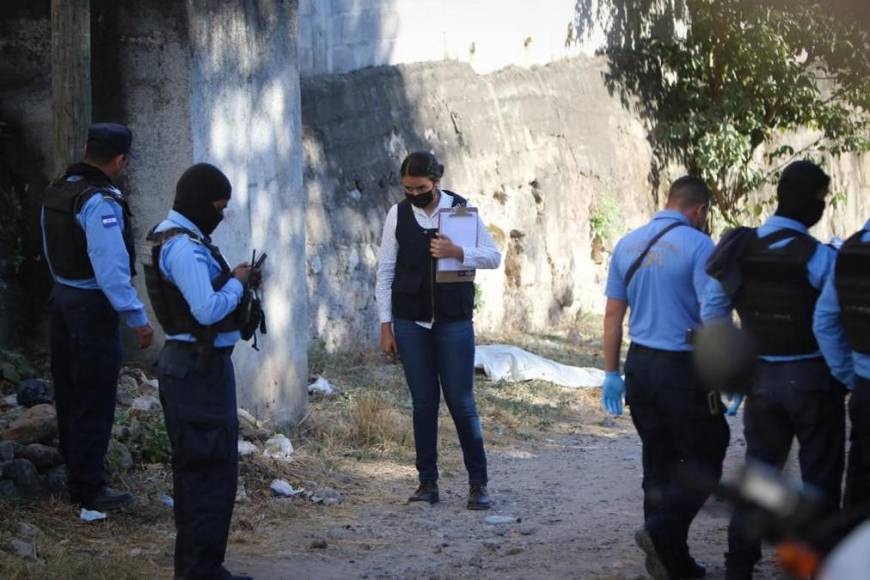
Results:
[194, 347]
[659, 352]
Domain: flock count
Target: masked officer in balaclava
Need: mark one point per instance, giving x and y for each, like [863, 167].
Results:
[199, 302]
[782, 269]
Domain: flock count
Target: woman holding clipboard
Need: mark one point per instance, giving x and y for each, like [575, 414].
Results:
[428, 324]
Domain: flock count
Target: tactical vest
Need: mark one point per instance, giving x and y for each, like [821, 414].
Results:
[171, 309]
[776, 300]
[852, 282]
[415, 293]
[66, 244]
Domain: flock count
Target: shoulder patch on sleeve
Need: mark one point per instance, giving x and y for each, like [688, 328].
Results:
[109, 221]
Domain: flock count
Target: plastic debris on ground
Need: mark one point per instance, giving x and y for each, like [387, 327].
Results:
[281, 487]
[278, 447]
[246, 448]
[87, 515]
[166, 500]
[322, 387]
[502, 362]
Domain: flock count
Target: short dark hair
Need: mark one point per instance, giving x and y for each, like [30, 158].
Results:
[422, 164]
[801, 181]
[689, 191]
[98, 152]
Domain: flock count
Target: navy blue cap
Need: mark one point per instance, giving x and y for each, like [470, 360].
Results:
[116, 137]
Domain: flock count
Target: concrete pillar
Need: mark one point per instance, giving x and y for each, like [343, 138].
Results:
[70, 80]
[246, 119]
[215, 81]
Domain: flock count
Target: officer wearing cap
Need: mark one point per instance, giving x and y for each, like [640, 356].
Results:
[200, 303]
[88, 244]
[781, 270]
[842, 326]
[657, 272]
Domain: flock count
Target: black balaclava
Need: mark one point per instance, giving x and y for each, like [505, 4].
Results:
[798, 192]
[197, 189]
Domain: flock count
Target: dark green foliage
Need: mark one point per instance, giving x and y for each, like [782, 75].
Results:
[718, 94]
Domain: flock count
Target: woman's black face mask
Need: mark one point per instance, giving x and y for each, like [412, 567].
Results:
[421, 200]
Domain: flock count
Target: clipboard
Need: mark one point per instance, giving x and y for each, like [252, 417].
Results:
[460, 225]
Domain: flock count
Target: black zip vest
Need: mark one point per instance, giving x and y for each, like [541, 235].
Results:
[776, 300]
[852, 281]
[171, 309]
[416, 295]
[66, 244]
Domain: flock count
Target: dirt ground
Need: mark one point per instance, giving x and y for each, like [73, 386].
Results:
[576, 499]
[567, 474]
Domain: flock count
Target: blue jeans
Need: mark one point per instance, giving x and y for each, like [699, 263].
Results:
[435, 360]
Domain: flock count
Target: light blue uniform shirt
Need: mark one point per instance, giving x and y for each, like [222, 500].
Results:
[103, 223]
[844, 362]
[718, 305]
[189, 265]
[663, 296]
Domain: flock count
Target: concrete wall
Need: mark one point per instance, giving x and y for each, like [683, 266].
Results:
[539, 151]
[197, 81]
[217, 82]
[337, 36]
[558, 168]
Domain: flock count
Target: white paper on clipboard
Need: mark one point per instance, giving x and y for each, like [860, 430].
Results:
[460, 225]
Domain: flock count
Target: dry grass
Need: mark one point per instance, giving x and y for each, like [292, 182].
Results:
[354, 443]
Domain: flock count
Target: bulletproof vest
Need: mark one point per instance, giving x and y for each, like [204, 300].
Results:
[171, 309]
[66, 244]
[852, 282]
[415, 293]
[776, 300]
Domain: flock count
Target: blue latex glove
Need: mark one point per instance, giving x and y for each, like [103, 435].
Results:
[611, 393]
[736, 401]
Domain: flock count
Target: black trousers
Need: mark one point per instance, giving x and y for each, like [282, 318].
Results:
[202, 422]
[85, 361]
[858, 471]
[787, 400]
[680, 433]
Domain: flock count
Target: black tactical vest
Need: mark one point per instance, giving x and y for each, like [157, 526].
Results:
[776, 300]
[852, 281]
[171, 309]
[66, 244]
[416, 295]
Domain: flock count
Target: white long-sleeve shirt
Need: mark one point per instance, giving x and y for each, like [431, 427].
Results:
[484, 256]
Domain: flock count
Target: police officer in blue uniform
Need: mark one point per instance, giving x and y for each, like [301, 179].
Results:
[842, 327]
[657, 272]
[88, 244]
[200, 303]
[782, 269]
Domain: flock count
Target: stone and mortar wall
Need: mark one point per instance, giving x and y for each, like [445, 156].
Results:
[339, 36]
[539, 151]
[558, 168]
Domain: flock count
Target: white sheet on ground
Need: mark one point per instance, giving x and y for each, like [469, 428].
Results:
[503, 362]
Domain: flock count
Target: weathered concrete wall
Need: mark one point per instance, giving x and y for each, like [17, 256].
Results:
[539, 151]
[338, 36]
[198, 81]
[558, 168]
[217, 82]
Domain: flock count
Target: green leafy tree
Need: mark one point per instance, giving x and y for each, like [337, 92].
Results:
[720, 80]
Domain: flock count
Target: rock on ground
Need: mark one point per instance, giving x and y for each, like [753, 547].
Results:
[36, 425]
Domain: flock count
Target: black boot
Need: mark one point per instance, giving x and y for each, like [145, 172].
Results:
[657, 562]
[478, 499]
[108, 499]
[428, 491]
[688, 567]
